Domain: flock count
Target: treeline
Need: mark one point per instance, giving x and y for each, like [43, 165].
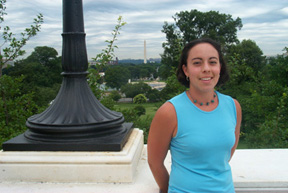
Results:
[260, 85]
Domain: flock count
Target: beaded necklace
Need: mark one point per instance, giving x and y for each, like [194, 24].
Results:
[201, 104]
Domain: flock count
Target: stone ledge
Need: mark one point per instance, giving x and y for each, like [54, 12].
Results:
[253, 171]
[260, 168]
[73, 167]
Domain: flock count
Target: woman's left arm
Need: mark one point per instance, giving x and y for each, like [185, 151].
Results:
[237, 129]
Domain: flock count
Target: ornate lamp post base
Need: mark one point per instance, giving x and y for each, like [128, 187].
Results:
[113, 142]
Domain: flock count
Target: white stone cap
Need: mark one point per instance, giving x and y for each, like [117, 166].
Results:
[260, 168]
[254, 170]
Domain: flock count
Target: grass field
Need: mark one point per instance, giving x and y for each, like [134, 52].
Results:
[151, 109]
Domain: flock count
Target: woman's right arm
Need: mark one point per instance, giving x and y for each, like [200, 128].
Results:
[161, 132]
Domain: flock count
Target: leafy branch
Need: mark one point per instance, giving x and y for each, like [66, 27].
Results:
[102, 59]
[14, 48]
[107, 54]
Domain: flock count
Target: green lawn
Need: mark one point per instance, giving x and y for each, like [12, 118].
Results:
[151, 108]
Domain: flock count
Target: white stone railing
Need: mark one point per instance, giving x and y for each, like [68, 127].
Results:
[254, 170]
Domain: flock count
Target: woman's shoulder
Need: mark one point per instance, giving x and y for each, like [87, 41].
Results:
[166, 110]
[165, 119]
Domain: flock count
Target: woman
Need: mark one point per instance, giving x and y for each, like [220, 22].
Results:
[200, 126]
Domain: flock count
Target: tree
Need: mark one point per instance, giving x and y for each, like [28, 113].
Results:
[249, 51]
[117, 76]
[131, 90]
[172, 49]
[139, 99]
[115, 95]
[153, 95]
[212, 24]
[277, 69]
[261, 89]
[43, 55]
[14, 48]
[41, 71]
[140, 110]
[15, 107]
[172, 88]
[190, 25]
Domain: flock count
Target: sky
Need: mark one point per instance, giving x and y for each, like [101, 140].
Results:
[265, 22]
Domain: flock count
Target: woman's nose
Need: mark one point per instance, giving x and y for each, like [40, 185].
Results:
[206, 67]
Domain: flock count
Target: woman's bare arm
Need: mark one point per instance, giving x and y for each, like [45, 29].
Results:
[161, 132]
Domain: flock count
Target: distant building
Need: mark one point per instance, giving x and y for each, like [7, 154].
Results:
[111, 62]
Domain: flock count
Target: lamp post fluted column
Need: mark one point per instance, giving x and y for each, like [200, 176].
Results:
[76, 120]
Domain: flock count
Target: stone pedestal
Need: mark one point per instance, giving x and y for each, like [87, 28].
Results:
[73, 167]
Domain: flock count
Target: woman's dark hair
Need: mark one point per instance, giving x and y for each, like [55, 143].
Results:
[224, 76]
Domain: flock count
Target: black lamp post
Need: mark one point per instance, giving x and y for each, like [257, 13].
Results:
[76, 121]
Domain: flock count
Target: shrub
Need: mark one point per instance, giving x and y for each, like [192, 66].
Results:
[139, 99]
[140, 110]
[115, 95]
[108, 102]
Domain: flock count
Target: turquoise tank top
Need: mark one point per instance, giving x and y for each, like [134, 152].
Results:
[201, 149]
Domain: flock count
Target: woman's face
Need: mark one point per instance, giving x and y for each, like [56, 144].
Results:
[203, 67]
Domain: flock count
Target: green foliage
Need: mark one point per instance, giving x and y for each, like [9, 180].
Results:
[115, 95]
[277, 69]
[116, 77]
[130, 115]
[218, 26]
[94, 80]
[41, 72]
[144, 124]
[273, 132]
[15, 107]
[249, 52]
[261, 91]
[142, 71]
[140, 110]
[108, 102]
[140, 121]
[139, 99]
[44, 55]
[172, 88]
[14, 48]
[131, 90]
[153, 95]
[172, 49]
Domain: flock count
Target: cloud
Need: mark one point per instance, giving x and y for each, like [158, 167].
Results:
[271, 37]
[264, 21]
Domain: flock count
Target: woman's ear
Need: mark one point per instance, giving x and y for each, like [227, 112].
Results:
[184, 68]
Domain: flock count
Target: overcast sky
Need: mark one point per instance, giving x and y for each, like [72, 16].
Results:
[265, 22]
